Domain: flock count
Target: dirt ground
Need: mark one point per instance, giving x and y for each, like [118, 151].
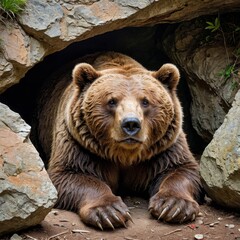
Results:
[212, 223]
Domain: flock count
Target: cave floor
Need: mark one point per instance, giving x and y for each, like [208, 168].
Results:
[212, 223]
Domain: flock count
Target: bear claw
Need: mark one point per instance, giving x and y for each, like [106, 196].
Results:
[99, 225]
[109, 223]
[183, 219]
[112, 215]
[171, 209]
[119, 220]
[130, 217]
[176, 213]
[163, 212]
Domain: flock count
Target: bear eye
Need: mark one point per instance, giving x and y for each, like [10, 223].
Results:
[112, 102]
[145, 102]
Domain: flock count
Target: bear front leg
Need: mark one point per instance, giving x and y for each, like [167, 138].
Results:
[91, 198]
[174, 200]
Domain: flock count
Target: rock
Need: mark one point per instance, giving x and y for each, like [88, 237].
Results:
[48, 26]
[43, 16]
[202, 62]
[26, 192]
[220, 162]
[231, 226]
[198, 236]
[14, 122]
[14, 64]
[199, 222]
[16, 237]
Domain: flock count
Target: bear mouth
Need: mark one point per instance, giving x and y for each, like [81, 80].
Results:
[131, 141]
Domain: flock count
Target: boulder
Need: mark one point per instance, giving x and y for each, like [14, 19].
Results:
[220, 162]
[203, 63]
[48, 26]
[26, 192]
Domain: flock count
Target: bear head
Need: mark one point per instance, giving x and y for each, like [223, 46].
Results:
[124, 115]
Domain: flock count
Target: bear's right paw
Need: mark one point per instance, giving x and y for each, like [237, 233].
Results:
[108, 211]
[173, 209]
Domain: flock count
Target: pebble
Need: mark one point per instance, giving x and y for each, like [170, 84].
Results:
[200, 214]
[200, 222]
[230, 226]
[220, 219]
[198, 236]
[16, 237]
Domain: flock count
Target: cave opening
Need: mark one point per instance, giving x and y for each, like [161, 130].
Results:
[144, 44]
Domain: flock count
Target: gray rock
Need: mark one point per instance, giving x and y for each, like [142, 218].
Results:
[26, 192]
[16, 237]
[220, 162]
[55, 24]
[40, 15]
[202, 63]
[14, 64]
[13, 121]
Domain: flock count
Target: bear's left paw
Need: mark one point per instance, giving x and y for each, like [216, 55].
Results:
[173, 209]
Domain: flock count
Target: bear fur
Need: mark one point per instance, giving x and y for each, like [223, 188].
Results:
[115, 127]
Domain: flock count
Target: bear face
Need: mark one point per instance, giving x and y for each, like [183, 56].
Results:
[125, 115]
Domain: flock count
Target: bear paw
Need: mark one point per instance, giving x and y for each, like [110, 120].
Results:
[173, 209]
[105, 212]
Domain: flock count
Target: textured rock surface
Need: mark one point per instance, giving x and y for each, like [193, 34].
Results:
[18, 52]
[26, 192]
[48, 26]
[220, 162]
[202, 62]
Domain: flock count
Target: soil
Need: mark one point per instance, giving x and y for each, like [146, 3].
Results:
[212, 223]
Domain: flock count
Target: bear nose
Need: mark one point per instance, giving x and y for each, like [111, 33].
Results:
[131, 125]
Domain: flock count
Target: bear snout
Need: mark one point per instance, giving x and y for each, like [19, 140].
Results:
[131, 125]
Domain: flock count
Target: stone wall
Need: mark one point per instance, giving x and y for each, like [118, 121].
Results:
[204, 57]
[48, 26]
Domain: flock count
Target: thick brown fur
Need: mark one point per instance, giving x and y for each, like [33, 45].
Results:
[91, 156]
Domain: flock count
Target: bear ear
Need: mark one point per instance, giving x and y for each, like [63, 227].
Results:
[84, 73]
[168, 75]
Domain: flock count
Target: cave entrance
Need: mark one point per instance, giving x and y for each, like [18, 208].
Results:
[143, 44]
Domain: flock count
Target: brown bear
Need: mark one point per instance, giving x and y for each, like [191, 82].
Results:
[115, 127]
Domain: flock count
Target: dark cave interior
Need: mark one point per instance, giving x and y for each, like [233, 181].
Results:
[142, 44]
